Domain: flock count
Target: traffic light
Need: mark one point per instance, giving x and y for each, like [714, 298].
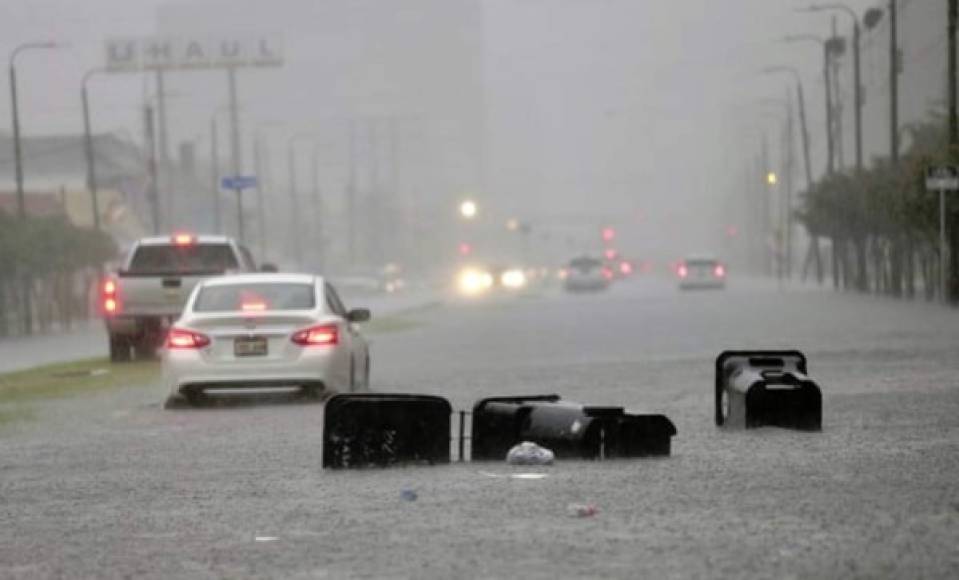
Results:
[608, 234]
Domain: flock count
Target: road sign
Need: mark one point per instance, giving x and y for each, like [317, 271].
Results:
[171, 53]
[942, 178]
[239, 182]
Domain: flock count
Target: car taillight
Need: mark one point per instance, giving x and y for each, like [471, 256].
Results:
[682, 271]
[108, 297]
[183, 239]
[324, 335]
[719, 271]
[183, 338]
[625, 268]
[607, 273]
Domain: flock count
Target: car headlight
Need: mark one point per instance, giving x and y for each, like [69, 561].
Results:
[513, 279]
[472, 281]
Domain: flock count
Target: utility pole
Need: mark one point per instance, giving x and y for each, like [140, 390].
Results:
[318, 231]
[88, 150]
[236, 148]
[838, 134]
[152, 193]
[857, 93]
[788, 169]
[294, 204]
[351, 195]
[893, 83]
[953, 141]
[215, 175]
[260, 188]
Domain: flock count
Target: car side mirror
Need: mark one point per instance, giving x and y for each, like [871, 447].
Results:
[268, 267]
[359, 315]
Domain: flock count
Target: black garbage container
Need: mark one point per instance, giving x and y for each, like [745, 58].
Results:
[766, 387]
[570, 430]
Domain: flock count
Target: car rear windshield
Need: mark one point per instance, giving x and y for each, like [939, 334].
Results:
[701, 263]
[253, 297]
[585, 264]
[187, 259]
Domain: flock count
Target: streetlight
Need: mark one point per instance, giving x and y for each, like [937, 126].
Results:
[88, 146]
[468, 209]
[872, 17]
[17, 151]
[772, 178]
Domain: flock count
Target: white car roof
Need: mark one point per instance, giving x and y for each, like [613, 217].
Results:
[262, 277]
[167, 240]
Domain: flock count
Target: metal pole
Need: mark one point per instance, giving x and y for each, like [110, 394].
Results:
[858, 93]
[235, 148]
[294, 203]
[152, 194]
[260, 215]
[17, 153]
[942, 247]
[805, 131]
[166, 186]
[88, 150]
[953, 118]
[893, 83]
[351, 196]
[827, 79]
[215, 170]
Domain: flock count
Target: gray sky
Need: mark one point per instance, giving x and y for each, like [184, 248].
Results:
[626, 108]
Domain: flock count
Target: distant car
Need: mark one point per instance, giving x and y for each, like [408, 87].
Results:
[586, 274]
[701, 272]
[264, 331]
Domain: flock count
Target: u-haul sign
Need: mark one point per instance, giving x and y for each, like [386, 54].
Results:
[160, 52]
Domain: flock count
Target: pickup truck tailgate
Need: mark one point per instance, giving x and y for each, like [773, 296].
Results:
[156, 295]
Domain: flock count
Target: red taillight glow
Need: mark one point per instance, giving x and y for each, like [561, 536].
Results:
[682, 271]
[184, 239]
[719, 271]
[183, 338]
[607, 273]
[253, 306]
[325, 335]
[110, 301]
[625, 268]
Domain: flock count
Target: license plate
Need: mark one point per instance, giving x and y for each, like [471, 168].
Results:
[249, 346]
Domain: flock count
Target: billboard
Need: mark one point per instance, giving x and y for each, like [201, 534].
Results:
[178, 53]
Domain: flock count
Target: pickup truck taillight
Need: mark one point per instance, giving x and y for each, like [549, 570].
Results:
[183, 338]
[109, 298]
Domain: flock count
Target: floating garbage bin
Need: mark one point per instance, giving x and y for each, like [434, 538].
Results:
[373, 429]
[766, 387]
[570, 430]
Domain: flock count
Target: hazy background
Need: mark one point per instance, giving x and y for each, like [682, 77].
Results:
[565, 113]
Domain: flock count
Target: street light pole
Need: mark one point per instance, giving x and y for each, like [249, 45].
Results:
[857, 72]
[15, 111]
[827, 82]
[88, 147]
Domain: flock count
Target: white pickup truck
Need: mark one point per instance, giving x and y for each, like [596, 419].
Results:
[150, 289]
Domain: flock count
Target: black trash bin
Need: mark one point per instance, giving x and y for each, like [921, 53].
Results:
[570, 430]
[766, 387]
[373, 429]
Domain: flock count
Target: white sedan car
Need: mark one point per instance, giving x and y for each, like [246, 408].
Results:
[249, 332]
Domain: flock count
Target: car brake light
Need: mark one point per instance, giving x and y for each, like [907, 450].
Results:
[607, 273]
[184, 239]
[682, 271]
[324, 335]
[719, 271]
[110, 305]
[109, 288]
[110, 301]
[625, 268]
[183, 338]
[253, 306]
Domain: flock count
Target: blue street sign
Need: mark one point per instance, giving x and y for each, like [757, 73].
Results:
[238, 182]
